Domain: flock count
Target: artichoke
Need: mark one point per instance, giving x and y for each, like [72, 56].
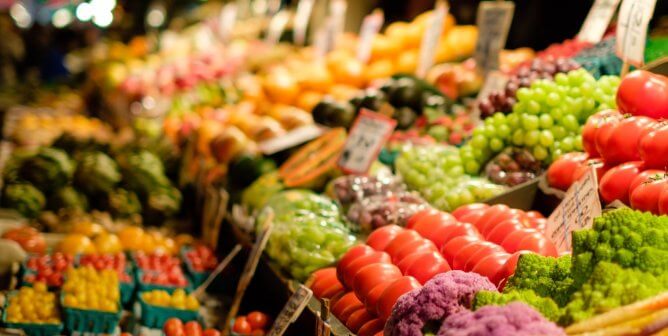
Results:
[122, 203]
[13, 165]
[71, 143]
[67, 198]
[96, 173]
[143, 172]
[24, 198]
[166, 201]
[47, 170]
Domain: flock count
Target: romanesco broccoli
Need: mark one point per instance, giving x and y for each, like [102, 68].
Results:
[546, 276]
[544, 305]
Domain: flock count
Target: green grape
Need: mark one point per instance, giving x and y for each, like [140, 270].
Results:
[586, 89]
[518, 137]
[503, 131]
[546, 121]
[498, 119]
[496, 144]
[531, 137]
[567, 144]
[479, 141]
[533, 107]
[557, 113]
[530, 122]
[453, 199]
[570, 122]
[546, 138]
[513, 120]
[577, 143]
[539, 94]
[553, 99]
[559, 132]
[471, 167]
[524, 94]
[456, 170]
[540, 153]
[561, 79]
[466, 197]
[490, 131]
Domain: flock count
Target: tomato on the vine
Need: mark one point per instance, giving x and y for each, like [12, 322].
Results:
[645, 197]
[561, 171]
[654, 147]
[615, 182]
[379, 238]
[592, 126]
[624, 138]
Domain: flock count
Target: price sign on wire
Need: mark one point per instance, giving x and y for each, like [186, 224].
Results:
[304, 8]
[367, 137]
[597, 20]
[292, 309]
[576, 211]
[370, 27]
[632, 23]
[494, 19]
[430, 38]
[276, 27]
[226, 20]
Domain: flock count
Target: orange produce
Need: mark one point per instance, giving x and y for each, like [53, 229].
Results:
[281, 87]
[383, 68]
[31, 240]
[107, 243]
[307, 100]
[384, 47]
[76, 243]
[87, 228]
[407, 61]
[131, 237]
[348, 71]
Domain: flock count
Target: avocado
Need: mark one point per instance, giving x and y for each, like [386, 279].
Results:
[405, 117]
[373, 100]
[407, 93]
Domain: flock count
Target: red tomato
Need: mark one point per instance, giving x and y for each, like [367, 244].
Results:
[379, 238]
[430, 229]
[510, 214]
[512, 242]
[354, 267]
[258, 320]
[463, 255]
[622, 146]
[594, 123]
[654, 147]
[491, 265]
[492, 215]
[468, 208]
[345, 304]
[392, 293]
[371, 299]
[663, 202]
[604, 131]
[485, 248]
[419, 215]
[503, 229]
[598, 164]
[645, 176]
[211, 332]
[534, 214]
[400, 240]
[459, 229]
[537, 242]
[349, 257]
[539, 224]
[615, 183]
[324, 281]
[454, 246]
[173, 327]
[645, 197]
[644, 93]
[422, 245]
[427, 266]
[193, 328]
[358, 319]
[372, 275]
[508, 268]
[409, 259]
[371, 328]
[560, 173]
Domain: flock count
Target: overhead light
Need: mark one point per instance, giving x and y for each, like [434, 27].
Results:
[61, 18]
[106, 5]
[84, 12]
[103, 19]
[20, 14]
[156, 16]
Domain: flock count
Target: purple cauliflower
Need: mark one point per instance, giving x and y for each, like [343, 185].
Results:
[517, 319]
[444, 295]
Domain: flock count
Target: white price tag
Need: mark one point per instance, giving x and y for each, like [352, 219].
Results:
[367, 137]
[576, 211]
[337, 11]
[634, 17]
[302, 16]
[325, 37]
[370, 27]
[226, 20]
[276, 27]
[597, 20]
[494, 19]
[430, 38]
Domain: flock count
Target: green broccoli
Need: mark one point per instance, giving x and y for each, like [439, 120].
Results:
[122, 203]
[67, 198]
[611, 286]
[47, 170]
[624, 236]
[546, 276]
[96, 173]
[544, 305]
[24, 198]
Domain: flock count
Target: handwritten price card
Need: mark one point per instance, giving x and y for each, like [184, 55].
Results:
[367, 137]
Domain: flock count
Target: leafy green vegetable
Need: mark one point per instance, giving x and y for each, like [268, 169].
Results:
[67, 198]
[24, 198]
[96, 173]
[122, 203]
[47, 170]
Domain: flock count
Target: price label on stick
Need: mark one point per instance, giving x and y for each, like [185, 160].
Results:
[576, 211]
[597, 21]
[431, 37]
[337, 11]
[226, 20]
[276, 27]
[367, 137]
[292, 309]
[632, 23]
[302, 16]
[494, 19]
[370, 27]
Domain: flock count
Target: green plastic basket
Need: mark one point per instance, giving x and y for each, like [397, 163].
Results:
[156, 316]
[91, 321]
[196, 278]
[145, 287]
[31, 329]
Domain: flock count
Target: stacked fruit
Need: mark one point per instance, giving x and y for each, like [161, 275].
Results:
[160, 269]
[201, 258]
[503, 101]
[48, 269]
[546, 119]
[629, 152]
[33, 305]
[115, 262]
[178, 300]
[88, 289]
[437, 173]
[176, 327]
[254, 323]
[567, 48]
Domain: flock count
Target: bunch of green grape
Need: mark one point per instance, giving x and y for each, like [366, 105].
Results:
[547, 119]
[437, 173]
